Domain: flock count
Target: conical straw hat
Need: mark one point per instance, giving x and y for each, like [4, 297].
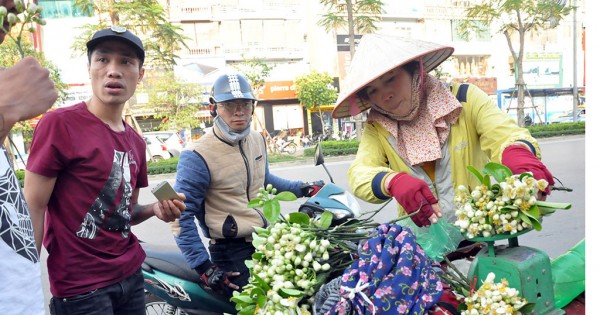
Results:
[378, 54]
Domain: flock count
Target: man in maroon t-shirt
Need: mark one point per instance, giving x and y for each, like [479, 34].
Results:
[86, 167]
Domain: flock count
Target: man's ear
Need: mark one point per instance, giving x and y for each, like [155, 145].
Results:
[141, 76]
[213, 109]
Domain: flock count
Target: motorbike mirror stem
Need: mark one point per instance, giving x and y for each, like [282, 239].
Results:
[319, 160]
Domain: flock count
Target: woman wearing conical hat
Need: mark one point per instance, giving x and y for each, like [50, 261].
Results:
[420, 135]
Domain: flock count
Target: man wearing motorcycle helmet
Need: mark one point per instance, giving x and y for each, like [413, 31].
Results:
[220, 174]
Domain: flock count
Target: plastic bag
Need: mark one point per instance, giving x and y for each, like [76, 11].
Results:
[438, 239]
[568, 275]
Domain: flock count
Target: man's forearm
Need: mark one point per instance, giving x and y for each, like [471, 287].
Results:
[141, 213]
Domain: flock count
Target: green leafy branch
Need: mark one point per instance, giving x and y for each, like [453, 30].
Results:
[31, 13]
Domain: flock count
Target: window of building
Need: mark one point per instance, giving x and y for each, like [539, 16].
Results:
[471, 65]
[55, 9]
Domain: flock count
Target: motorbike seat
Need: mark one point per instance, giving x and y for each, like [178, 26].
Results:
[168, 259]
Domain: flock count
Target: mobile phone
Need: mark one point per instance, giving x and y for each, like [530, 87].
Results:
[164, 191]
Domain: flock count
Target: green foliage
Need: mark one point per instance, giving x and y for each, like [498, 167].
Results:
[255, 70]
[553, 130]
[172, 98]
[145, 18]
[514, 19]
[315, 89]
[163, 167]
[364, 15]
[335, 148]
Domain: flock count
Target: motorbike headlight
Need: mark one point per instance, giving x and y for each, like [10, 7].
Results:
[349, 201]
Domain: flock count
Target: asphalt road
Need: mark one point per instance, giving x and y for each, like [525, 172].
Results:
[565, 158]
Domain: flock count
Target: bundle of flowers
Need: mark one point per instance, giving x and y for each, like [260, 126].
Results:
[505, 207]
[495, 298]
[294, 256]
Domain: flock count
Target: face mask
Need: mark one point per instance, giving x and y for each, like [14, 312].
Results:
[230, 134]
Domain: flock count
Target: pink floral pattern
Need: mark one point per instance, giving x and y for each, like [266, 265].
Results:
[386, 280]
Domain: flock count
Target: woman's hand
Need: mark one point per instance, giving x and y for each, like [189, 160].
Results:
[414, 194]
[519, 159]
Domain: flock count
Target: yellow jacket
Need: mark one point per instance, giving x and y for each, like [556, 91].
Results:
[480, 134]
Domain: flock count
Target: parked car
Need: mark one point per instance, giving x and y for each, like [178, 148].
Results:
[171, 138]
[156, 149]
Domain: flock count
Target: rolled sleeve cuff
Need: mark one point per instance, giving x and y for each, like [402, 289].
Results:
[377, 185]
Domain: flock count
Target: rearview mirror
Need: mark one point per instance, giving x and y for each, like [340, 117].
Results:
[318, 155]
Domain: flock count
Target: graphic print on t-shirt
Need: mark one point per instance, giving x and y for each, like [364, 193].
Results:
[16, 229]
[98, 215]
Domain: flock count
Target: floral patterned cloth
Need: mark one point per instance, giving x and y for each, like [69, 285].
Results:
[392, 276]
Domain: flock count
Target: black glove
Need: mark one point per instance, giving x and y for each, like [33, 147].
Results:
[311, 189]
[215, 278]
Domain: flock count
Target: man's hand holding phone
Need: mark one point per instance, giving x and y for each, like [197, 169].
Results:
[170, 203]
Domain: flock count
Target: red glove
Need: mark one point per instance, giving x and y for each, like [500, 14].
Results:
[311, 189]
[520, 160]
[413, 194]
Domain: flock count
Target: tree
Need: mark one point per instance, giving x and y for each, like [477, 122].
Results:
[174, 101]
[354, 15]
[146, 18]
[314, 90]
[513, 19]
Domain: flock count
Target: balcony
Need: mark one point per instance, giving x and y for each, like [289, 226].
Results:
[191, 12]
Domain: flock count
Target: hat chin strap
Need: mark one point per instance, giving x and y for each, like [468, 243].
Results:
[230, 134]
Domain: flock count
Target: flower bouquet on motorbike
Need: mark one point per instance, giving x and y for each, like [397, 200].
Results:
[507, 207]
[295, 256]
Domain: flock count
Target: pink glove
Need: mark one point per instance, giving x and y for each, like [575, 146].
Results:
[520, 160]
[413, 194]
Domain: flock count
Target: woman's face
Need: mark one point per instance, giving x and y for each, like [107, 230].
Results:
[392, 92]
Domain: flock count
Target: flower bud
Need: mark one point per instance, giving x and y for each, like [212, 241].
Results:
[32, 8]
[3, 11]
[11, 18]
[19, 5]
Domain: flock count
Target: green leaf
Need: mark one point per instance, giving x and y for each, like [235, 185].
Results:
[498, 171]
[524, 217]
[536, 224]
[508, 208]
[527, 308]
[523, 175]
[248, 310]
[285, 293]
[486, 180]
[254, 203]
[261, 300]
[242, 299]
[462, 306]
[534, 212]
[285, 196]
[300, 218]
[258, 255]
[261, 283]
[546, 211]
[257, 240]
[325, 220]
[271, 210]
[261, 231]
[476, 173]
[554, 205]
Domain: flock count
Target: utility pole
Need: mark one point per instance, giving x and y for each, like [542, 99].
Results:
[575, 90]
